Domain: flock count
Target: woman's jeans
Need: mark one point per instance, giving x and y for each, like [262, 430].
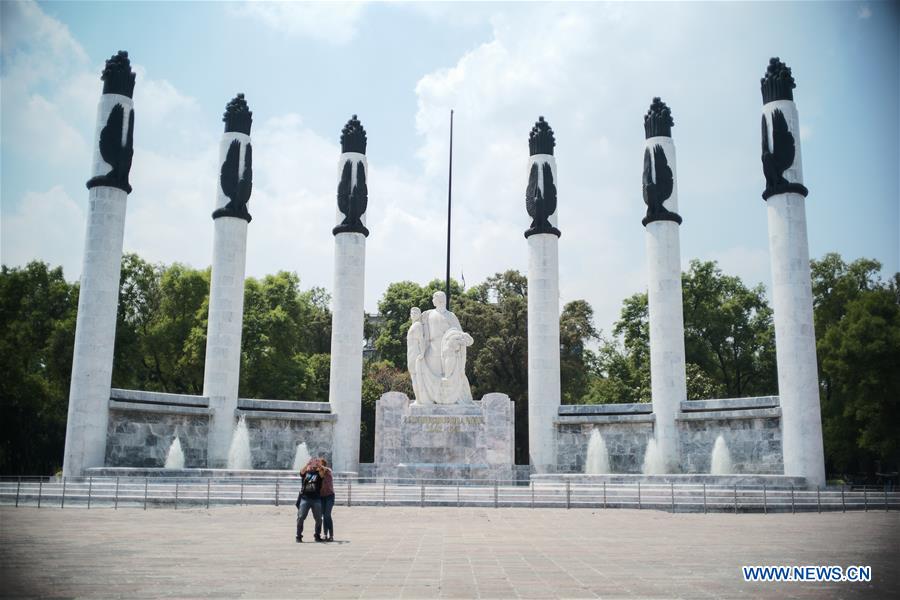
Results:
[327, 505]
[307, 504]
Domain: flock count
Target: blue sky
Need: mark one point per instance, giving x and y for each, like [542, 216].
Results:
[590, 69]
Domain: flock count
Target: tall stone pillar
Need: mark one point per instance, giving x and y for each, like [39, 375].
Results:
[798, 379]
[345, 384]
[95, 328]
[543, 299]
[221, 373]
[667, 364]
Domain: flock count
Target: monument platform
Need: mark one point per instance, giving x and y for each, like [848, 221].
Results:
[471, 441]
[199, 474]
[736, 479]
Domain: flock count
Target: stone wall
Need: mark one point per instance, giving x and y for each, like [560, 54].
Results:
[625, 441]
[453, 441]
[751, 428]
[142, 426]
[274, 438]
[277, 427]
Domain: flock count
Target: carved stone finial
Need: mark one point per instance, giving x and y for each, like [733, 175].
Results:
[238, 117]
[658, 121]
[353, 136]
[541, 140]
[117, 76]
[778, 83]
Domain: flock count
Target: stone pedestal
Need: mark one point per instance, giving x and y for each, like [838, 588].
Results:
[472, 441]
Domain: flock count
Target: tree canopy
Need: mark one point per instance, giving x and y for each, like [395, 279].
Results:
[729, 346]
[729, 342]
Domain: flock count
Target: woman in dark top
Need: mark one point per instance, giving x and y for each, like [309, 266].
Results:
[310, 498]
[327, 496]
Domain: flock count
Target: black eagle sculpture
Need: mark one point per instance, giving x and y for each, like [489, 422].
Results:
[778, 85]
[779, 158]
[236, 188]
[540, 205]
[540, 201]
[658, 191]
[352, 199]
[116, 154]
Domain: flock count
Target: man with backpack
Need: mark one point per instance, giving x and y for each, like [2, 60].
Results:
[310, 498]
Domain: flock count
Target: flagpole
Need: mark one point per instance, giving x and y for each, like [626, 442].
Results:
[449, 203]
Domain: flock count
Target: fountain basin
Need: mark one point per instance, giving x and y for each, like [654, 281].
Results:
[737, 479]
[201, 473]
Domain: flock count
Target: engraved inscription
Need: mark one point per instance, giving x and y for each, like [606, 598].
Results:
[446, 424]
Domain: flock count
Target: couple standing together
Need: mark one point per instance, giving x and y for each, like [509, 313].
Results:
[317, 495]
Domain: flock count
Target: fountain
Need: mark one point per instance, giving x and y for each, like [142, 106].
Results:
[239, 458]
[597, 462]
[175, 455]
[653, 461]
[301, 457]
[721, 458]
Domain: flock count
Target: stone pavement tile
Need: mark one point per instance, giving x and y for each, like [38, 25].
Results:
[419, 592]
[428, 553]
[381, 592]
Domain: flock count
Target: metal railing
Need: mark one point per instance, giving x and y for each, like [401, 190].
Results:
[180, 493]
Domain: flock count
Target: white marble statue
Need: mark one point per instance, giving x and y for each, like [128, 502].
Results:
[415, 347]
[436, 355]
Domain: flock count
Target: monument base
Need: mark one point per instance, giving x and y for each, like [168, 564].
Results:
[451, 443]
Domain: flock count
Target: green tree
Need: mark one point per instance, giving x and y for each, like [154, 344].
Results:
[379, 377]
[37, 333]
[161, 328]
[576, 330]
[728, 337]
[857, 319]
[285, 333]
[495, 313]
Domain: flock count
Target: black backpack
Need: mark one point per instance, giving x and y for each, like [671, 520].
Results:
[311, 484]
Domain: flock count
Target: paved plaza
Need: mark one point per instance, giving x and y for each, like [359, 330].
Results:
[249, 552]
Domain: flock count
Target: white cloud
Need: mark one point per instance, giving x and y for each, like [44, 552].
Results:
[330, 22]
[47, 226]
[41, 133]
[562, 61]
[541, 61]
[36, 47]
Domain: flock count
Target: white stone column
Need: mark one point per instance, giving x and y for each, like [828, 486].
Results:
[95, 327]
[221, 375]
[544, 391]
[792, 302]
[350, 232]
[667, 363]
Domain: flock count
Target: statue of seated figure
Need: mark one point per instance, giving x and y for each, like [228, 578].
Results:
[439, 371]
